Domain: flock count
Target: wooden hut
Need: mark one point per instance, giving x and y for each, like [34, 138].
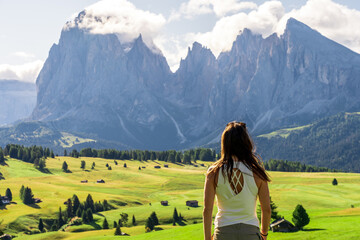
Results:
[100, 181]
[164, 203]
[192, 203]
[282, 225]
[157, 166]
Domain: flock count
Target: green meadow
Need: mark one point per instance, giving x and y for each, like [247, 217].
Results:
[334, 210]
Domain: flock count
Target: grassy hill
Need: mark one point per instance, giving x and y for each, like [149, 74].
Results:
[131, 191]
[332, 142]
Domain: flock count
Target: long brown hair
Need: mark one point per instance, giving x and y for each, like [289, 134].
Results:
[236, 142]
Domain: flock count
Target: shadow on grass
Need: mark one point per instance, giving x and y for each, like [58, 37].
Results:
[68, 171]
[95, 225]
[158, 228]
[3, 207]
[45, 170]
[33, 205]
[313, 229]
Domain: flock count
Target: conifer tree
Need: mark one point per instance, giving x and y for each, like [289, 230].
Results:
[65, 166]
[105, 224]
[28, 197]
[83, 164]
[54, 227]
[175, 215]
[133, 221]
[117, 231]
[89, 214]
[69, 209]
[149, 224]
[65, 153]
[300, 217]
[123, 219]
[335, 182]
[93, 165]
[90, 203]
[52, 155]
[22, 190]
[76, 203]
[84, 216]
[154, 218]
[79, 212]
[2, 158]
[60, 218]
[41, 225]
[8, 194]
[115, 224]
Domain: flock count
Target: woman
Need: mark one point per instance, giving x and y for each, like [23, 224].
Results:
[236, 180]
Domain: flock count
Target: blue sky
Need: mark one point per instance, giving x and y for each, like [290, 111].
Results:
[28, 28]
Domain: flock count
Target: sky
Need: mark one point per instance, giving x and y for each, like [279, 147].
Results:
[28, 28]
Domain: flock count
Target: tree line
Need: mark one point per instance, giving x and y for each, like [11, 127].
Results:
[186, 157]
[292, 166]
[31, 154]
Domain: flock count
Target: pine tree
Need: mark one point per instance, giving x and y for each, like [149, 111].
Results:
[41, 225]
[65, 153]
[335, 182]
[8, 194]
[54, 227]
[84, 216]
[123, 218]
[93, 165]
[115, 224]
[22, 190]
[79, 212]
[133, 221]
[69, 209]
[154, 218]
[2, 158]
[90, 203]
[175, 215]
[139, 168]
[65, 166]
[28, 197]
[89, 214]
[149, 224]
[117, 231]
[76, 204]
[105, 224]
[125, 165]
[60, 218]
[52, 155]
[274, 213]
[83, 164]
[300, 217]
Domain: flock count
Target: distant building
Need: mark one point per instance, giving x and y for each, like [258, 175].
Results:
[157, 166]
[164, 203]
[84, 181]
[5, 200]
[100, 181]
[203, 165]
[166, 165]
[143, 167]
[282, 225]
[192, 203]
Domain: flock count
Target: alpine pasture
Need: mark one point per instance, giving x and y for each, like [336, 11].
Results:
[334, 210]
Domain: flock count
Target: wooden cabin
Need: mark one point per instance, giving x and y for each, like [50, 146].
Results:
[282, 225]
[157, 166]
[100, 181]
[164, 203]
[4, 200]
[84, 181]
[192, 203]
[166, 165]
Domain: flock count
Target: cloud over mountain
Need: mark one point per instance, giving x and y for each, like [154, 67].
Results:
[26, 72]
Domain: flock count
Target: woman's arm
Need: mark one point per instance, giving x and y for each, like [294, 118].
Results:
[209, 195]
[264, 198]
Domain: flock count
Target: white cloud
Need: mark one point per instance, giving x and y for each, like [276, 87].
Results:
[263, 20]
[27, 72]
[219, 7]
[333, 20]
[123, 18]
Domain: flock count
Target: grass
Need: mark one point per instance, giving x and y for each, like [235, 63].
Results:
[141, 191]
[284, 133]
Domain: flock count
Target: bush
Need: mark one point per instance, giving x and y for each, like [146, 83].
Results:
[300, 217]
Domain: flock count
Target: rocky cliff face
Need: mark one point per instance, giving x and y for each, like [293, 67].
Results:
[17, 100]
[125, 93]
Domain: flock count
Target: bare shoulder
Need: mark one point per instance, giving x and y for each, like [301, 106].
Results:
[258, 180]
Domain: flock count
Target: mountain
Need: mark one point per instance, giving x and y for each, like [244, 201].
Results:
[332, 142]
[97, 87]
[17, 100]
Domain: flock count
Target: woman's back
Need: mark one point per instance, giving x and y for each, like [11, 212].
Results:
[236, 200]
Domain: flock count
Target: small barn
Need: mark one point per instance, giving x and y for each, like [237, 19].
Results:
[192, 203]
[166, 165]
[157, 166]
[4, 200]
[84, 181]
[100, 181]
[143, 167]
[164, 203]
[203, 165]
[282, 225]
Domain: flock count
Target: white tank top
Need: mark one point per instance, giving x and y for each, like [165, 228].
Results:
[236, 208]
